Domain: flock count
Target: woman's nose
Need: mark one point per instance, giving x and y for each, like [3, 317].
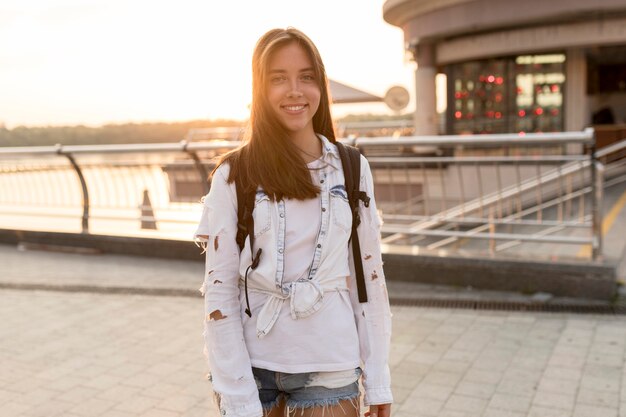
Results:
[294, 91]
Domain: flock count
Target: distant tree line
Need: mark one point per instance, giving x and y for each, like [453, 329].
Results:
[107, 134]
[130, 132]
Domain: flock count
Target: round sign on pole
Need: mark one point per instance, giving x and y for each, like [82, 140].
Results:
[397, 98]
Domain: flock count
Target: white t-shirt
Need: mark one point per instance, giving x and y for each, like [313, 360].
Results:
[287, 348]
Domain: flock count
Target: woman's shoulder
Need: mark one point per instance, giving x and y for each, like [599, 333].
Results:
[222, 170]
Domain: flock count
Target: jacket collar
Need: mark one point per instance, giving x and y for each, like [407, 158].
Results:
[329, 150]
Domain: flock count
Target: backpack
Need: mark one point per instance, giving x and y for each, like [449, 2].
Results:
[351, 163]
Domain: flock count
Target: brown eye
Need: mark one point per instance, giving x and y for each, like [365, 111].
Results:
[277, 79]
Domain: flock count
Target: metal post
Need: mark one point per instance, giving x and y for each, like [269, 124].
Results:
[83, 184]
[598, 198]
[204, 176]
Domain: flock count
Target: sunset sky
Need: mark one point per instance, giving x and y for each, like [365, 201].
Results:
[65, 62]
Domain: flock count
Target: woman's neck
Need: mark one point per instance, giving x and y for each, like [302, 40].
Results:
[309, 146]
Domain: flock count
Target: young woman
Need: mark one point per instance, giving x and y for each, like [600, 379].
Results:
[307, 340]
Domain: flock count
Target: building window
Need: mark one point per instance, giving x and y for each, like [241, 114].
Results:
[507, 95]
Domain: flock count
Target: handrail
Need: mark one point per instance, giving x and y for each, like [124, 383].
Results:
[612, 148]
[181, 146]
[538, 139]
[510, 139]
[413, 165]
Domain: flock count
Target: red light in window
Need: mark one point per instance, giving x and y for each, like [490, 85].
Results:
[499, 80]
[481, 78]
[521, 113]
[519, 90]
[491, 78]
[498, 115]
[538, 111]
[522, 133]
[457, 94]
[458, 114]
[554, 88]
[498, 97]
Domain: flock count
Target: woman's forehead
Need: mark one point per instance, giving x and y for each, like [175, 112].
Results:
[288, 57]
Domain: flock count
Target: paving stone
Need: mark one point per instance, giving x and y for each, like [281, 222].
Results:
[599, 383]
[481, 375]
[510, 402]
[559, 386]
[102, 382]
[522, 387]
[466, 404]
[423, 406]
[160, 413]
[92, 407]
[178, 403]
[550, 399]
[449, 379]
[559, 372]
[501, 413]
[474, 389]
[598, 398]
[137, 404]
[541, 411]
[432, 391]
[593, 411]
[54, 408]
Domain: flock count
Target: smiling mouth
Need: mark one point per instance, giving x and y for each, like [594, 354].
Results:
[295, 108]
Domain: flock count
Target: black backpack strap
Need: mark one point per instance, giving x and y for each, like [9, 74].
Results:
[245, 227]
[351, 163]
[245, 206]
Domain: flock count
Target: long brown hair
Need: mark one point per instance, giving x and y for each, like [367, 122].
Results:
[267, 157]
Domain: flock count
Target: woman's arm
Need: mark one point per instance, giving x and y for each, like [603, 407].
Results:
[373, 318]
[228, 357]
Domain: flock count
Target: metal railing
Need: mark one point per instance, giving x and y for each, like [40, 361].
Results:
[502, 189]
[441, 192]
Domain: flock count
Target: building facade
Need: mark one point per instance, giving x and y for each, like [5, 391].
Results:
[515, 66]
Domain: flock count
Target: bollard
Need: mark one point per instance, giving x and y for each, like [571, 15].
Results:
[147, 213]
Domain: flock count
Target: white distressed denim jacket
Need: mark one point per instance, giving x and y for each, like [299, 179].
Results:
[228, 357]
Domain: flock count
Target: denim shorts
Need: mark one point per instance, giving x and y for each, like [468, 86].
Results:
[309, 389]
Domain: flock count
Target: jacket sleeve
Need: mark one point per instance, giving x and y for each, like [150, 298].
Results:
[373, 318]
[225, 348]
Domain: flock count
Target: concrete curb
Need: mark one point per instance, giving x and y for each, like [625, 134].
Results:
[563, 279]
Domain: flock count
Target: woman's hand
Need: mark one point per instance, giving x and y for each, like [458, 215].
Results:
[380, 410]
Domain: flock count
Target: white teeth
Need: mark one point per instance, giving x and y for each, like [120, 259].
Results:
[294, 108]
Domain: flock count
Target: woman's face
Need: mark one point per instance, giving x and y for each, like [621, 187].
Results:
[292, 91]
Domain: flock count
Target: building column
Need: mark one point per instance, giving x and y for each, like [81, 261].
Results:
[425, 118]
[576, 104]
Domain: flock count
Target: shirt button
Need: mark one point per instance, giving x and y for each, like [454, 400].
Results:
[323, 208]
[321, 181]
[319, 245]
[280, 250]
[282, 214]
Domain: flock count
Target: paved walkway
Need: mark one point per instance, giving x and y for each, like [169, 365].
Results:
[121, 355]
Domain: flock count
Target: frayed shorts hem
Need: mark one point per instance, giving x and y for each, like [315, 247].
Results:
[323, 402]
[271, 404]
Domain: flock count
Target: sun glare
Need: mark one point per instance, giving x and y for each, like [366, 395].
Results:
[71, 62]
